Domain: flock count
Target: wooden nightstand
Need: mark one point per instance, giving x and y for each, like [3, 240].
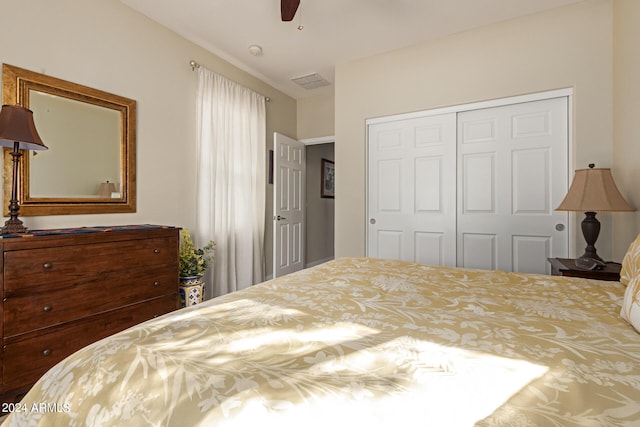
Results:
[567, 267]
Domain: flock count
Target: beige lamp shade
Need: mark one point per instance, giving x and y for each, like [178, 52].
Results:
[106, 189]
[594, 190]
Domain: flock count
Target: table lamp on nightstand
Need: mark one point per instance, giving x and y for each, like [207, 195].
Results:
[17, 131]
[593, 190]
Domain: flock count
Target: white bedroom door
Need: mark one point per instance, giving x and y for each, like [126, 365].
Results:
[411, 208]
[289, 166]
[512, 173]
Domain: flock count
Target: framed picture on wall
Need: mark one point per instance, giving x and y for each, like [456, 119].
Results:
[328, 179]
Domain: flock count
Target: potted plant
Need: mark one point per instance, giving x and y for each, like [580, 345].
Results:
[193, 264]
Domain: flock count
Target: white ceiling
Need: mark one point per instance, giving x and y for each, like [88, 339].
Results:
[335, 31]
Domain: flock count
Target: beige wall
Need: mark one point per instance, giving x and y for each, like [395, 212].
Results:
[106, 45]
[316, 116]
[626, 108]
[570, 47]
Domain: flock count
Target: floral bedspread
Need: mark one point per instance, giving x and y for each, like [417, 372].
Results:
[361, 341]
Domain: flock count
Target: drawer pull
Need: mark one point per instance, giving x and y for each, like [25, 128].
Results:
[47, 308]
[47, 266]
[46, 352]
[156, 251]
[156, 283]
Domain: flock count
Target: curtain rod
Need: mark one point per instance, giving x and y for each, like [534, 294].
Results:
[195, 65]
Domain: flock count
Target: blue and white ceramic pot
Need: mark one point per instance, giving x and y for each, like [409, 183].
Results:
[191, 290]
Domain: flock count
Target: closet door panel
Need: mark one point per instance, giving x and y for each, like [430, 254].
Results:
[531, 190]
[513, 195]
[479, 184]
[429, 248]
[479, 251]
[410, 207]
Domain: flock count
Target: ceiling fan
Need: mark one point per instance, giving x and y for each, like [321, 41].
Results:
[288, 9]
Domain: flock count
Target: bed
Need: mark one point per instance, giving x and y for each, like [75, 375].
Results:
[360, 341]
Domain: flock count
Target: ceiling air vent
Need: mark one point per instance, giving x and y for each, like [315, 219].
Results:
[310, 81]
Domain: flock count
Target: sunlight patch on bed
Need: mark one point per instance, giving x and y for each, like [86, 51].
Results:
[453, 386]
[400, 380]
[367, 375]
[305, 339]
[448, 387]
[269, 330]
[242, 310]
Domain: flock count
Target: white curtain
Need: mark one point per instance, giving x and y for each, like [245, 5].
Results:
[231, 139]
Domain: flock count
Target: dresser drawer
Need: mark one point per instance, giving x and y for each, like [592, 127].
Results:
[47, 268]
[42, 309]
[26, 360]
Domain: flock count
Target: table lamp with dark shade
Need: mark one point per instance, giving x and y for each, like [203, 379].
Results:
[593, 190]
[17, 131]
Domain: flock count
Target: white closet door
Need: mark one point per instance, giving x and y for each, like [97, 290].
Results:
[411, 188]
[512, 173]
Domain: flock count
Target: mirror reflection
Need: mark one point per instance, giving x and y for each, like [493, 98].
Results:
[84, 147]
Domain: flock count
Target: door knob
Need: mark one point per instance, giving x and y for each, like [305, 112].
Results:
[372, 220]
[280, 218]
[560, 227]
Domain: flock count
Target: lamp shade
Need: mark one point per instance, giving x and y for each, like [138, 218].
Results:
[16, 125]
[106, 189]
[594, 190]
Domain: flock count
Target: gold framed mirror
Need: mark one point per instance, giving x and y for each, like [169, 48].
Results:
[90, 166]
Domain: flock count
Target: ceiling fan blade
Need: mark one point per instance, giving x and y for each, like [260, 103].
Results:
[288, 9]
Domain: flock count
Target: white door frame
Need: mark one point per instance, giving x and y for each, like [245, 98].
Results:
[558, 93]
[330, 139]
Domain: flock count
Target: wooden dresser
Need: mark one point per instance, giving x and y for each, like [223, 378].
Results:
[64, 289]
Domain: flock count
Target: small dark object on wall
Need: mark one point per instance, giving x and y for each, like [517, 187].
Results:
[328, 179]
